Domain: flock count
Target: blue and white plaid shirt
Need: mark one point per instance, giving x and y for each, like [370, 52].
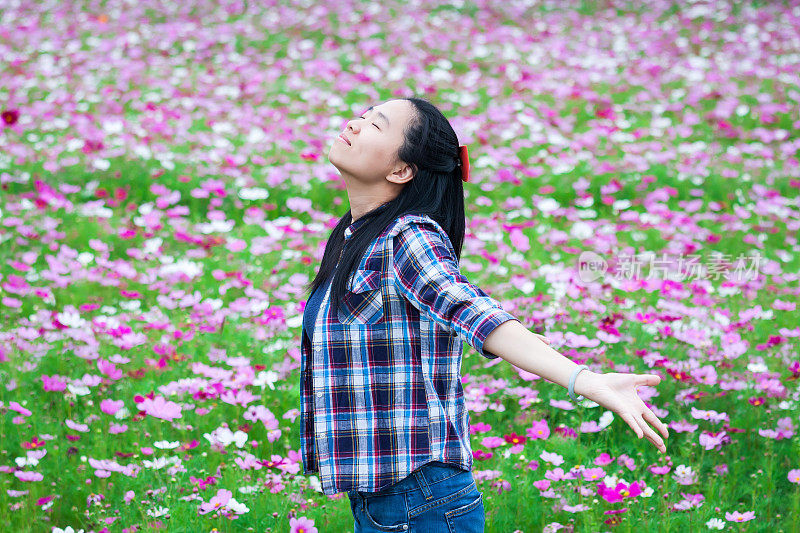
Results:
[381, 390]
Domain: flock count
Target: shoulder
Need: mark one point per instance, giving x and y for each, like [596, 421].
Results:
[420, 232]
[415, 224]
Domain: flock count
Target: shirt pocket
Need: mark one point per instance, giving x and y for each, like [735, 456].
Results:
[362, 302]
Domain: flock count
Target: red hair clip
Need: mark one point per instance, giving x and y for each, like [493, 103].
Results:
[464, 157]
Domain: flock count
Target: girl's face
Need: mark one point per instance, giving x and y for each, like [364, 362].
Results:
[375, 136]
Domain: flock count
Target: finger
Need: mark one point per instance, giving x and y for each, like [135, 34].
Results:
[649, 379]
[545, 339]
[631, 421]
[651, 417]
[651, 435]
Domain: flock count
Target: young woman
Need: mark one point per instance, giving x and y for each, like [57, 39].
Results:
[382, 407]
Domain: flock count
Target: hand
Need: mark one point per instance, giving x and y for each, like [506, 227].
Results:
[617, 392]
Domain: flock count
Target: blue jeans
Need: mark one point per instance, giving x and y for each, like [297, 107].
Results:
[436, 498]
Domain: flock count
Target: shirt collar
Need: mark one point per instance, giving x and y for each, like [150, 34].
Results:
[348, 232]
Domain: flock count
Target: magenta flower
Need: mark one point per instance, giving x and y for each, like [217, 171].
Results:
[603, 459]
[481, 455]
[53, 383]
[158, 407]
[513, 438]
[618, 493]
[794, 475]
[301, 525]
[480, 427]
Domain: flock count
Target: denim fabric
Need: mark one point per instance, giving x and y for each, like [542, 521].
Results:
[436, 498]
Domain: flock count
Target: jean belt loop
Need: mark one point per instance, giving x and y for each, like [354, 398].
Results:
[360, 500]
[423, 483]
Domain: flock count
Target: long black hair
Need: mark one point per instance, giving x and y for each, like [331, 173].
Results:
[430, 147]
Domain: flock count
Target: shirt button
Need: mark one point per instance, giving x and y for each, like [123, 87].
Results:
[405, 526]
[319, 395]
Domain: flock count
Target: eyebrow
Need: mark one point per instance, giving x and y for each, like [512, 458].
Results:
[381, 115]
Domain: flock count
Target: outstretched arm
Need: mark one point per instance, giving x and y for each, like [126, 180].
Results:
[524, 349]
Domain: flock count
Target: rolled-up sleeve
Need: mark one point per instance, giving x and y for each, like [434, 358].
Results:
[426, 273]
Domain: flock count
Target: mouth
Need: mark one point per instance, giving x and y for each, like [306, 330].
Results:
[344, 139]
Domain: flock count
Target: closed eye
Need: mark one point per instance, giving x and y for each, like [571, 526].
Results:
[372, 123]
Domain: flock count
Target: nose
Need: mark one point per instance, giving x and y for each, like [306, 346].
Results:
[352, 123]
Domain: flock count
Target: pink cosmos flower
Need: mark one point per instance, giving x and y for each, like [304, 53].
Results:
[109, 369]
[15, 406]
[736, 516]
[603, 459]
[552, 458]
[542, 484]
[301, 525]
[492, 442]
[501, 485]
[28, 476]
[660, 470]
[110, 407]
[593, 474]
[161, 408]
[217, 502]
[710, 441]
[690, 501]
[203, 483]
[556, 474]
[794, 475]
[538, 430]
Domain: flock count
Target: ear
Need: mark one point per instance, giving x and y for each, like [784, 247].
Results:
[403, 174]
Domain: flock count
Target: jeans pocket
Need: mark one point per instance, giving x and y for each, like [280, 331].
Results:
[468, 518]
[387, 512]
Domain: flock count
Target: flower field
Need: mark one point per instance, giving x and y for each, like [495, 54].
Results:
[165, 195]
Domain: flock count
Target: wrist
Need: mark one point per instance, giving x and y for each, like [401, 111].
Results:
[584, 382]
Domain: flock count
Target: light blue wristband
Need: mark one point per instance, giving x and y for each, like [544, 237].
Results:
[572, 378]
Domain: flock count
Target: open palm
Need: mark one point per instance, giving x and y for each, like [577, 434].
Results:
[617, 392]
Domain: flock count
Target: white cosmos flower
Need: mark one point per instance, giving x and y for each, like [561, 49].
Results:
[78, 390]
[266, 377]
[166, 445]
[225, 436]
[236, 507]
[158, 511]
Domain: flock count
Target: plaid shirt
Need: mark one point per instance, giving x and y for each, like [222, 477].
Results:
[381, 390]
